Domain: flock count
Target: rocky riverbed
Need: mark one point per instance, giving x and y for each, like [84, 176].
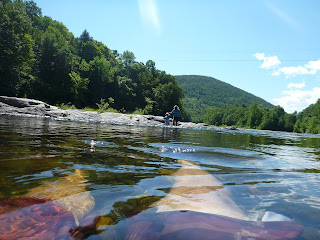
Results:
[35, 108]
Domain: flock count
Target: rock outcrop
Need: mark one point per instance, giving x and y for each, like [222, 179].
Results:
[35, 108]
[30, 107]
[25, 106]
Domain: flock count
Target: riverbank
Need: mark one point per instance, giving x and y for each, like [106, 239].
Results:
[34, 108]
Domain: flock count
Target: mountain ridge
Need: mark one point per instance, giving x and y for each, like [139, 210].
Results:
[203, 92]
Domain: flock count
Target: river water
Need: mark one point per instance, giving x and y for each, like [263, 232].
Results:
[119, 171]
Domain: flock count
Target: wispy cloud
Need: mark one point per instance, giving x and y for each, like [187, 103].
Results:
[283, 15]
[149, 14]
[297, 85]
[297, 100]
[268, 62]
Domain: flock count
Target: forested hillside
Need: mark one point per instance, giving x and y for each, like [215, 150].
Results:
[309, 119]
[41, 59]
[202, 93]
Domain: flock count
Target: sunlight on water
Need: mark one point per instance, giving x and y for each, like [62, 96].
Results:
[85, 170]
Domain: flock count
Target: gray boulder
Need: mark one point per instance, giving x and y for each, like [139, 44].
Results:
[21, 106]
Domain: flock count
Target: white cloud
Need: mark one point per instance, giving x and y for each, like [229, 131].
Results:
[313, 65]
[297, 85]
[310, 68]
[149, 13]
[294, 71]
[297, 100]
[268, 62]
[276, 73]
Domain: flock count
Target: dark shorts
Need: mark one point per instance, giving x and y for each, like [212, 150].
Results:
[176, 118]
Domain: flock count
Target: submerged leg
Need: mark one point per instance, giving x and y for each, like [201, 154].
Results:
[197, 190]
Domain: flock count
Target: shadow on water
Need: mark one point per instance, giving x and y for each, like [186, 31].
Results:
[120, 171]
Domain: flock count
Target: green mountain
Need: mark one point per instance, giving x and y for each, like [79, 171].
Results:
[202, 93]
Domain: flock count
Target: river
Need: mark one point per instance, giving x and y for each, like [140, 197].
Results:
[119, 171]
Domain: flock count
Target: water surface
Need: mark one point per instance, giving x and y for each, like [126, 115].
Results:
[121, 170]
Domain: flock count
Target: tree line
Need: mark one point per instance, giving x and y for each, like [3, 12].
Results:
[258, 117]
[41, 59]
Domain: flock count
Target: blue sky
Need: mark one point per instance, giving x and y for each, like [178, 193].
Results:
[269, 48]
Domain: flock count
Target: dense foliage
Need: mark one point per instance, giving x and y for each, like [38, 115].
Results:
[41, 59]
[257, 117]
[202, 93]
[309, 119]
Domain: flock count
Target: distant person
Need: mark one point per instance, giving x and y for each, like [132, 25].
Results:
[166, 118]
[176, 115]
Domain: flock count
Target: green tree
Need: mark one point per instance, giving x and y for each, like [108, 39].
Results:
[79, 89]
[298, 126]
[125, 93]
[255, 114]
[141, 78]
[100, 75]
[85, 37]
[128, 58]
[16, 44]
[274, 119]
[151, 66]
[214, 116]
[89, 51]
[166, 96]
[290, 120]
[55, 64]
[307, 120]
[313, 125]
[34, 13]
